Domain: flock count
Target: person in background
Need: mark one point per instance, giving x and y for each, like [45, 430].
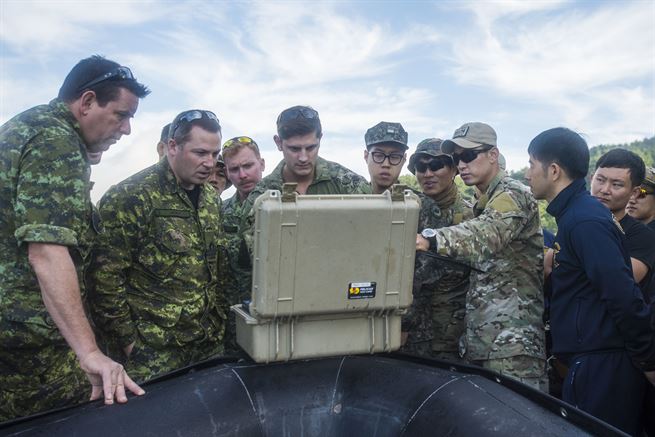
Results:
[386, 144]
[47, 229]
[218, 177]
[163, 140]
[642, 203]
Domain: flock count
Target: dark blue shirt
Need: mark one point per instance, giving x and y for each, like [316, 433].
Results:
[596, 305]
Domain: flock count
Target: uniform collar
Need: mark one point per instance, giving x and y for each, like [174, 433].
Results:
[321, 171]
[559, 204]
[60, 109]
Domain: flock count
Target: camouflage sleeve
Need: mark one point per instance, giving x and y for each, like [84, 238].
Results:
[123, 216]
[478, 239]
[50, 166]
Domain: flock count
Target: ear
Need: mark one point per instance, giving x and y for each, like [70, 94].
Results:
[635, 191]
[493, 154]
[278, 142]
[366, 155]
[172, 147]
[87, 100]
[263, 164]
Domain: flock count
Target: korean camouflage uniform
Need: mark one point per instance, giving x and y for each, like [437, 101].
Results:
[157, 273]
[329, 178]
[44, 193]
[435, 321]
[504, 306]
[240, 271]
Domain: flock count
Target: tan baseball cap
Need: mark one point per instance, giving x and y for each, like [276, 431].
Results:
[470, 136]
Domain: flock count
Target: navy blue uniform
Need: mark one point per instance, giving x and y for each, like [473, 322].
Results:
[600, 323]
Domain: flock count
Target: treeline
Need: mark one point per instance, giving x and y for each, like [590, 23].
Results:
[644, 148]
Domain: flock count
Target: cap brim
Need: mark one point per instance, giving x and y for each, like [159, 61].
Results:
[394, 143]
[448, 146]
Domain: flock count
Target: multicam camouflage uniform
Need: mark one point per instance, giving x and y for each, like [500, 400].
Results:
[240, 271]
[44, 193]
[504, 328]
[435, 321]
[157, 273]
[329, 178]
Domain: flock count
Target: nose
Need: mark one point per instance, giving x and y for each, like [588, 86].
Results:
[126, 128]
[242, 173]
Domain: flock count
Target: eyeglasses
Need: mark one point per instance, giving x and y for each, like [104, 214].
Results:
[468, 155]
[643, 193]
[293, 113]
[394, 158]
[119, 73]
[433, 164]
[189, 116]
[238, 140]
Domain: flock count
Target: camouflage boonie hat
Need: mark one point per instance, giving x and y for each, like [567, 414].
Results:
[385, 132]
[649, 179]
[470, 136]
[430, 147]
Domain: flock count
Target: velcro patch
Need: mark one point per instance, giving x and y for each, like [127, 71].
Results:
[503, 203]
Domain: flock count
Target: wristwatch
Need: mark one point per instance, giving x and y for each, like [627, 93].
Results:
[430, 235]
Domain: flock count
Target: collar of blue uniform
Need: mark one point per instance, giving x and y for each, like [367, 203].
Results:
[561, 201]
[481, 202]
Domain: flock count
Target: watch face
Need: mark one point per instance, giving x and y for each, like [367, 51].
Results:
[428, 233]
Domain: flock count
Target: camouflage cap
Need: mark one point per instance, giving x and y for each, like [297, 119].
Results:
[385, 132]
[470, 136]
[220, 164]
[429, 146]
[649, 179]
[502, 162]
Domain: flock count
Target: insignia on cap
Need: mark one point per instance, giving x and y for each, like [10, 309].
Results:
[461, 132]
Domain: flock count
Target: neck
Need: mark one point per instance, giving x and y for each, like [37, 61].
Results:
[378, 189]
[619, 214]
[483, 186]
[447, 197]
[558, 187]
[242, 195]
[289, 176]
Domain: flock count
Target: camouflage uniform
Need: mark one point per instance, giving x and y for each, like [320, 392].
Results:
[158, 273]
[44, 193]
[504, 307]
[329, 178]
[240, 271]
[435, 321]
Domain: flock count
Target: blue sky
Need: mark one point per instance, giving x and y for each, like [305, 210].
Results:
[521, 66]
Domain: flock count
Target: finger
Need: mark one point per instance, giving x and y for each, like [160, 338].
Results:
[109, 383]
[96, 392]
[121, 398]
[132, 386]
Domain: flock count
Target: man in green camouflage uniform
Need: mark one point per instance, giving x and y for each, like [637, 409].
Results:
[47, 227]
[298, 137]
[504, 306]
[156, 285]
[385, 154]
[435, 321]
[245, 167]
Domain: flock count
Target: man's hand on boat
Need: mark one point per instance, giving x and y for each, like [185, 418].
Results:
[108, 377]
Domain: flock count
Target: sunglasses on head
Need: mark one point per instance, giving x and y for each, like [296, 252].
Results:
[394, 158]
[468, 155]
[294, 113]
[119, 73]
[643, 193]
[189, 116]
[238, 140]
[433, 164]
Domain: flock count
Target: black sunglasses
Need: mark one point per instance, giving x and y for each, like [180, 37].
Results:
[119, 73]
[468, 155]
[394, 158]
[189, 116]
[293, 113]
[433, 164]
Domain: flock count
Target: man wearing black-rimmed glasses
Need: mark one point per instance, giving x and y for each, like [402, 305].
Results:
[504, 305]
[47, 228]
[157, 272]
[385, 154]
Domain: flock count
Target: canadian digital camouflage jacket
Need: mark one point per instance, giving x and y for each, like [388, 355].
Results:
[158, 269]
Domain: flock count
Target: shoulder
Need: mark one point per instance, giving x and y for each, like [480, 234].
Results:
[337, 170]
[135, 188]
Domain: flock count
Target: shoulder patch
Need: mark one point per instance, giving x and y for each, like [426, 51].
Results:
[503, 203]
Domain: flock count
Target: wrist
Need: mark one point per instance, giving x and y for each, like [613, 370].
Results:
[431, 236]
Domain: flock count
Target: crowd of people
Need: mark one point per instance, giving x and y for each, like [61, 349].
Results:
[138, 285]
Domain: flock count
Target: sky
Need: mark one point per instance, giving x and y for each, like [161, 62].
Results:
[521, 66]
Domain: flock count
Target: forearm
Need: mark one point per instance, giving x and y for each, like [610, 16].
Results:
[60, 291]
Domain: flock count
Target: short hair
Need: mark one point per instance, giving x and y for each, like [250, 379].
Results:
[164, 133]
[235, 146]
[564, 147]
[622, 158]
[106, 91]
[180, 129]
[298, 120]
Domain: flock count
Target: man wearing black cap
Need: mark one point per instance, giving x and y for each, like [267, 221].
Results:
[386, 144]
[504, 328]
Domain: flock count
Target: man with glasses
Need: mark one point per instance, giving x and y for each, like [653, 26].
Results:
[642, 204]
[386, 144]
[245, 168]
[618, 177]
[435, 321]
[504, 305]
[157, 272]
[47, 228]
[600, 324]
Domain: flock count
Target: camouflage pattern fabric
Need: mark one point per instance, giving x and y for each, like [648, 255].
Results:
[528, 370]
[504, 306]
[44, 193]
[329, 178]
[158, 271]
[240, 270]
[435, 321]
